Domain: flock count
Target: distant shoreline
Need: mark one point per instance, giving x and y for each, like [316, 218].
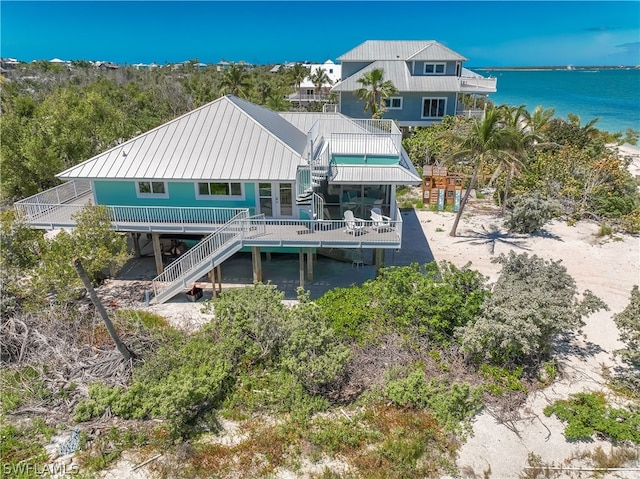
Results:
[558, 67]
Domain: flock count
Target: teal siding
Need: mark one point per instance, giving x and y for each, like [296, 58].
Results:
[360, 160]
[181, 193]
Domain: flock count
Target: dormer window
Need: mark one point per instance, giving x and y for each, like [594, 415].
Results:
[434, 68]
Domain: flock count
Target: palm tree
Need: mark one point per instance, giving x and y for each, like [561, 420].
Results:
[487, 139]
[298, 73]
[319, 78]
[235, 81]
[276, 100]
[374, 88]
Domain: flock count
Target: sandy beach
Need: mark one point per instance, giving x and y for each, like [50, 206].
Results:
[608, 266]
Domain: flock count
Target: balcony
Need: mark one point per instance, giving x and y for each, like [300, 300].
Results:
[347, 136]
[478, 84]
[300, 98]
[43, 211]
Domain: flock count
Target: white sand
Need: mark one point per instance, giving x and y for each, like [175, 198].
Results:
[607, 267]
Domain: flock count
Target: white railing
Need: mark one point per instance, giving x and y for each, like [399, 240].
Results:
[359, 137]
[288, 232]
[42, 203]
[478, 83]
[471, 113]
[299, 97]
[178, 273]
[171, 215]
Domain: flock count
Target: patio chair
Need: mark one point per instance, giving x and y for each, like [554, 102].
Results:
[380, 222]
[355, 226]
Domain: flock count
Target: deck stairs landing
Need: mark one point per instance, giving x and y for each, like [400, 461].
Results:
[201, 259]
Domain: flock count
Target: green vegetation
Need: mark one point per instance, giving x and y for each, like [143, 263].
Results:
[533, 302]
[554, 166]
[628, 323]
[588, 413]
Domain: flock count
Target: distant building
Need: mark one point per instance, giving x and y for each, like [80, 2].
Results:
[308, 91]
[429, 77]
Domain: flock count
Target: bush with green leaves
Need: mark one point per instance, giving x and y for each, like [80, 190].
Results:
[430, 300]
[311, 350]
[530, 213]
[452, 404]
[589, 413]
[533, 302]
[628, 323]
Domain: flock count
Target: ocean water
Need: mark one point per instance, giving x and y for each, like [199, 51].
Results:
[612, 96]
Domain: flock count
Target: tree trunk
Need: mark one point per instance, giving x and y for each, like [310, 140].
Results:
[507, 185]
[464, 200]
[103, 312]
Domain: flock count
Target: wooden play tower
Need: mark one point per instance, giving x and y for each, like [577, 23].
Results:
[441, 188]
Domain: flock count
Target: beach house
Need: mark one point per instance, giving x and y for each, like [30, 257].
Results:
[309, 92]
[430, 79]
[238, 176]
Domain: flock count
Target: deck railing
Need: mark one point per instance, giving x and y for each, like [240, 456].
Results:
[478, 84]
[43, 202]
[204, 254]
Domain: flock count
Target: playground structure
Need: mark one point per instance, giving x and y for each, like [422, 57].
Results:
[441, 188]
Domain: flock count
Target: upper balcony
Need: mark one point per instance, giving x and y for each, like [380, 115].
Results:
[478, 84]
[357, 137]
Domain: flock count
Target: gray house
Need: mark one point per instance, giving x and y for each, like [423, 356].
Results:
[429, 77]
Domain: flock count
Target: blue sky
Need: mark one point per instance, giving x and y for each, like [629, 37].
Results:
[501, 33]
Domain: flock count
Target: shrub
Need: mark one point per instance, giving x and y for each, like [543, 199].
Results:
[588, 413]
[532, 302]
[311, 351]
[530, 213]
[452, 405]
[628, 323]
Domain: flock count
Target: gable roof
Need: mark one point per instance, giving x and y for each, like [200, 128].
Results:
[406, 50]
[227, 139]
[402, 79]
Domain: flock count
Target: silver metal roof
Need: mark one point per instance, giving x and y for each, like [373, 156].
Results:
[227, 139]
[374, 174]
[303, 121]
[425, 50]
[400, 76]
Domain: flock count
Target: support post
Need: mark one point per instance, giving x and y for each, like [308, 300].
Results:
[135, 239]
[219, 267]
[301, 257]
[378, 259]
[100, 308]
[157, 252]
[256, 263]
[309, 266]
[212, 274]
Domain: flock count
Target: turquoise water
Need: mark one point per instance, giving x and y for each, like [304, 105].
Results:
[613, 96]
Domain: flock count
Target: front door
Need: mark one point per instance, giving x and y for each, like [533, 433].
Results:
[276, 199]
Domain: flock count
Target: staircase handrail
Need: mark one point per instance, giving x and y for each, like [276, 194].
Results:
[202, 252]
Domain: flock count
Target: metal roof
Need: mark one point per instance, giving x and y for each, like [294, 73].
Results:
[303, 121]
[227, 139]
[373, 50]
[400, 76]
[373, 174]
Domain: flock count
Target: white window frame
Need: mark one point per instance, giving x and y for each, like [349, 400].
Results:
[435, 68]
[151, 194]
[200, 196]
[389, 100]
[432, 98]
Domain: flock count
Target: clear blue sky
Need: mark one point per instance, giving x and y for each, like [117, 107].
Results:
[498, 33]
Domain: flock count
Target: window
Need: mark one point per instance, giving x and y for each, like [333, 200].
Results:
[309, 92]
[393, 103]
[434, 68]
[434, 107]
[219, 189]
[152, 188]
